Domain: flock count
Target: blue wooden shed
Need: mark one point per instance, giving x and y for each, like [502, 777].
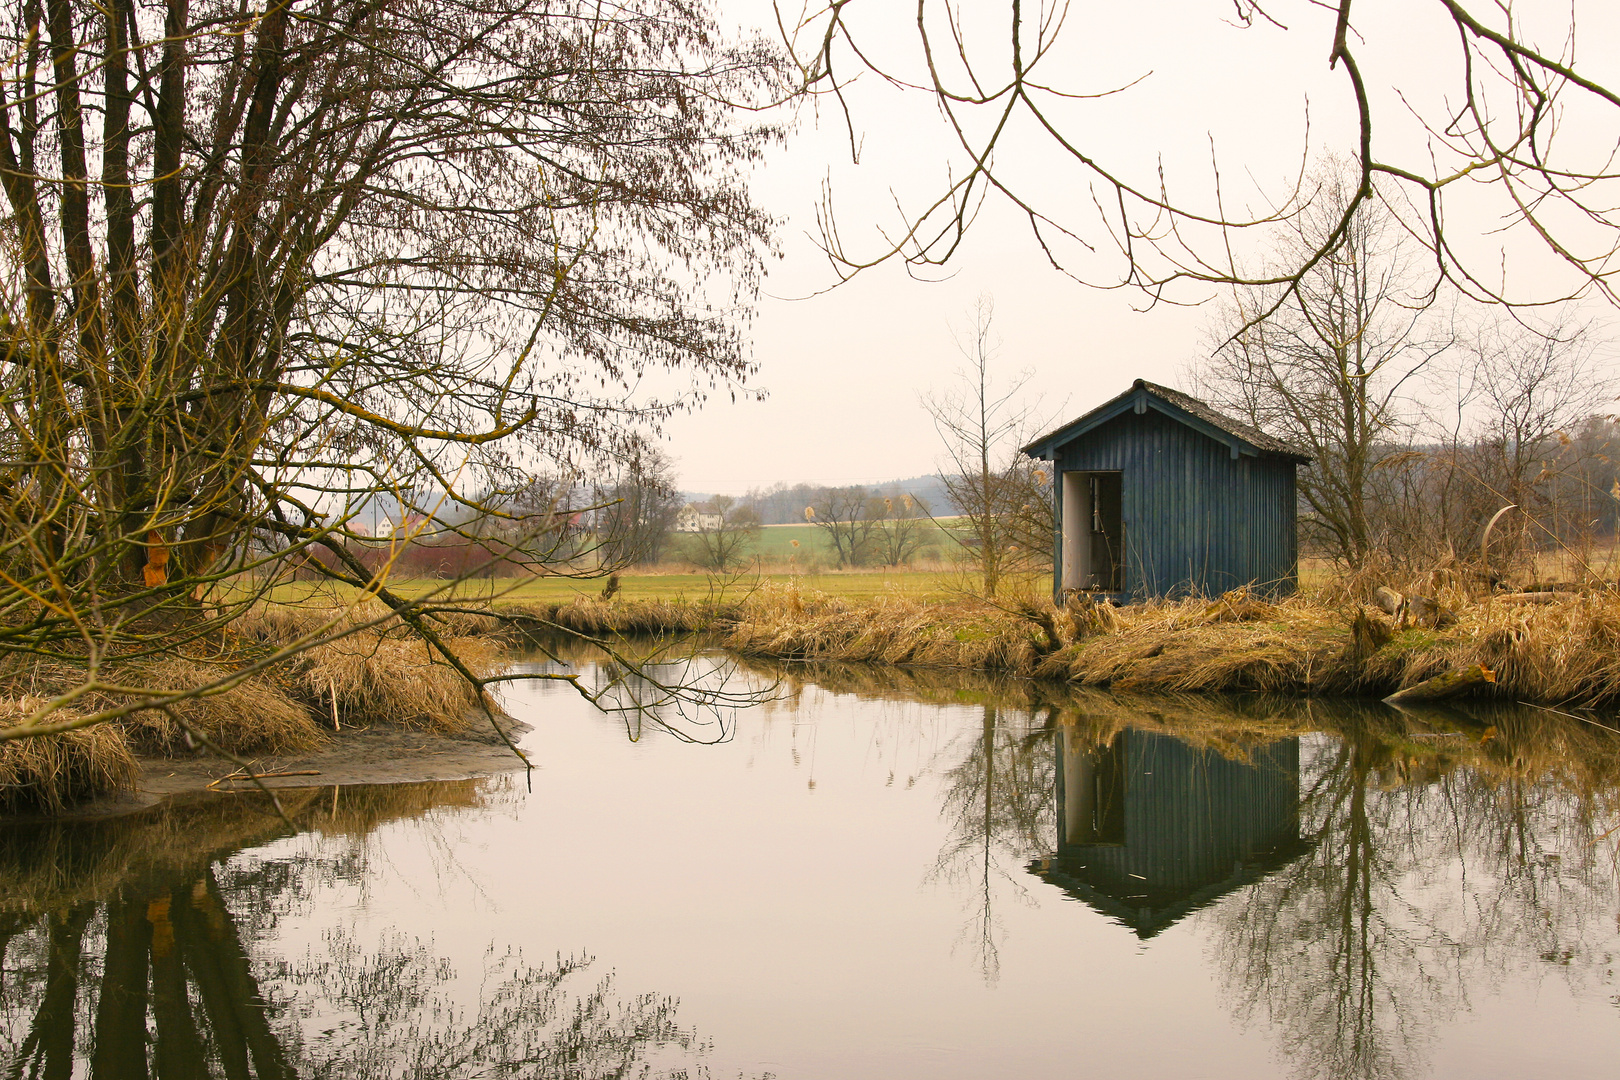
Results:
[1158, 494]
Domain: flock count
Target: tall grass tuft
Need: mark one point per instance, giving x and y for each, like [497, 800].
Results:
[383, 676]
[51, 773]
[256, 716]
[787, 623]
[381, 673]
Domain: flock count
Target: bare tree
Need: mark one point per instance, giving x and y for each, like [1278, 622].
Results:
[1519, 142]
[902, 525]
[1524, 393]
[1334, 366]
[1032, 517]
[999, 809]
[725, 545]
[638, 508]
[842, 516]
[980, 424]
[270, 264]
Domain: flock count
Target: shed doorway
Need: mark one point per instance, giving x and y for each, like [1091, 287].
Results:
[1093, 532]
[1091, 785]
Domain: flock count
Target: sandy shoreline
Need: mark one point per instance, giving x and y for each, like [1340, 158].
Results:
[378, 754]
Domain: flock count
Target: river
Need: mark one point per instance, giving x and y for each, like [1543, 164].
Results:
[857, 874]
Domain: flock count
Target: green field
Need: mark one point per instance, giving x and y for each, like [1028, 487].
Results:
[635, 585]
[779, 555]
[806, 547]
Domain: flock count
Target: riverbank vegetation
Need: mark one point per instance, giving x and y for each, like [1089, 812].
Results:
[1554, 648]
[366, 668]
[1551, 649]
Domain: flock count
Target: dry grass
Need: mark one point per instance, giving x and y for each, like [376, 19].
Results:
[1565, 653]
[50, 773]
[256, 716]
[389, 676]
[382, 673]
[793, 624]
[1231, 644]
[596, 617]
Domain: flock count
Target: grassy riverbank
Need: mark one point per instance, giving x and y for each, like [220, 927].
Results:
[1561, 652]
[1557, 653]
[373, 674]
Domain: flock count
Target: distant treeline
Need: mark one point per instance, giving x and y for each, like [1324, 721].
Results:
[627, 521]
[784, 504]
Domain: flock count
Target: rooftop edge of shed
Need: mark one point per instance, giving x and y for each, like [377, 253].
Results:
[1143, 395]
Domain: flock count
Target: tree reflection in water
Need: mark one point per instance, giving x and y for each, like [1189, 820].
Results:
[135, 948]
[1361, 877]
[1438, 867]
[1383, 869]
[999, 807]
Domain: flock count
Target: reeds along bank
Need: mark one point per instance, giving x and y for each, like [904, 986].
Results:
[373, 674]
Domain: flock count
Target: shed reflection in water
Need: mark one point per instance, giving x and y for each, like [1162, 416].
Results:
[1366, 879]
[1359, 880]
[1150, 828]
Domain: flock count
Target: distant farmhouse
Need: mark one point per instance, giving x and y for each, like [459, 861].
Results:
[411, 526]
[693, 518]
[1158, 494]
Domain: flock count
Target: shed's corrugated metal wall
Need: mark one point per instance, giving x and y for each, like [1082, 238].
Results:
[1195, 519]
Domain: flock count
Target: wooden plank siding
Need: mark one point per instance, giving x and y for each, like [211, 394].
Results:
[1196, 826]
[1199, 516]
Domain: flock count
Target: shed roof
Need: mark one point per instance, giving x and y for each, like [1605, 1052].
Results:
[1149, 911]
[1143, 395]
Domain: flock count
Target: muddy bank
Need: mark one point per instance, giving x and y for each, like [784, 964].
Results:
[370, 674]
[379, 754]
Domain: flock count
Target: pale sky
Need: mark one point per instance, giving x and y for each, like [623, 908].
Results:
[844, 370]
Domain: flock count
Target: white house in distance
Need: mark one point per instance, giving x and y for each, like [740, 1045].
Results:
[409, 528]
[692, 518]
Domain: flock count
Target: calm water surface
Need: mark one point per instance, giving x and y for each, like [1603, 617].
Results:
[869, 876]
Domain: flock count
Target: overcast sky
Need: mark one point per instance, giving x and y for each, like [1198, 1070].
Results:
[844, 370]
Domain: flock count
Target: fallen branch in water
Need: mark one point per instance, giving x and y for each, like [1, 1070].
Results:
[239, 776]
